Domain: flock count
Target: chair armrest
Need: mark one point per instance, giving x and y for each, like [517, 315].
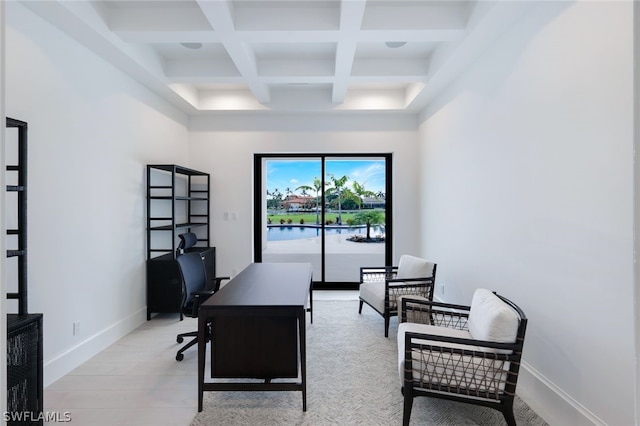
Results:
[198, 298]
[215, 283]
[459, 345]
[203, 293]
[377, 273]
[409, 281]
[434, 313]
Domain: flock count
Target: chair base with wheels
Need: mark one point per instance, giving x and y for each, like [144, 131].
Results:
[194, 335]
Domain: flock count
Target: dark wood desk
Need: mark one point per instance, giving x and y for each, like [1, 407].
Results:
[257, 324]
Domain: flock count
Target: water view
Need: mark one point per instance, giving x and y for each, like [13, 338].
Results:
[306, 196]
[283, 233]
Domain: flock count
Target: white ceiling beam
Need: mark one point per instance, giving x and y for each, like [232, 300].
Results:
[351, 14]
[133, 35]
[219, 15]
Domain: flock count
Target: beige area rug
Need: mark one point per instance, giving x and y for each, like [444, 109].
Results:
[352, 378]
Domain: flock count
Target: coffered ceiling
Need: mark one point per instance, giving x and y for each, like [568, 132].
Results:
[215, 56]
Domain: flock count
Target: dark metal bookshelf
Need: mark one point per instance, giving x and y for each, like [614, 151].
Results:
[25, 393]
[177, 202]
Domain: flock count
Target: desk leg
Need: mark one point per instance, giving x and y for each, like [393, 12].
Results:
[202, 351]
[303, 356]
[311, 302]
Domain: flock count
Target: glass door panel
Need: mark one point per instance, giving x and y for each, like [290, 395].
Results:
[291, 208]
[355, 216]
[333, 211]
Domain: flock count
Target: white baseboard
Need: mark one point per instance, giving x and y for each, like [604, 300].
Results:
[550, 402]
[63, 363]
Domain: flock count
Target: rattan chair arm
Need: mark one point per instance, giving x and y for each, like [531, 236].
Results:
[378, 268]
[422, 280]
[515, 347]
[382, 273]
[433, 304]
[433, 313]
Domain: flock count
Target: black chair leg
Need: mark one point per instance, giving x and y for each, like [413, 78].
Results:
[360, 309]
[387, 320]
[194, 334]
[179, 355]
[507, 412]
[408, 405]
[181, 336]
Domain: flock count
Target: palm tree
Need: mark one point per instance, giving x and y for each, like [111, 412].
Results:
[338, 189]
[317, 186]
[277, 197]
[361, 192]
[370, 218]
[289, 192]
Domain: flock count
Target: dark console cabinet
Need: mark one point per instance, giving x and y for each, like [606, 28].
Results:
[164, 287]
[24, 369]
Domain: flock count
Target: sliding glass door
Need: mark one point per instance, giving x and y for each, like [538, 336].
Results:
[332, 211]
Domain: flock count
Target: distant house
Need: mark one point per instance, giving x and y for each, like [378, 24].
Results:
[295, 203]
[373, 202]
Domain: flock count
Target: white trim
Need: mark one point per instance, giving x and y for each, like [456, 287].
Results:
[550, 402]
[66, 361]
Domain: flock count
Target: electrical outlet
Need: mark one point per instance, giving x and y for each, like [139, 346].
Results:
[76, 328]
[441, 285]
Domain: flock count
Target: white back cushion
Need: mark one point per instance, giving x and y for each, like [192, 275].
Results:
[491, 319]
[414, 267]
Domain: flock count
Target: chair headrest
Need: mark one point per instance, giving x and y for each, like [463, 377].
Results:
[414, 267]
[187, 240]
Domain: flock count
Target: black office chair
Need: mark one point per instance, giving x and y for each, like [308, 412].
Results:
[195, 290]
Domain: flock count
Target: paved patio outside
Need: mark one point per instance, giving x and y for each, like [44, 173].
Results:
[343, 258]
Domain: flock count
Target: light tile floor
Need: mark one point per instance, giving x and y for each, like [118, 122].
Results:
[137, 381]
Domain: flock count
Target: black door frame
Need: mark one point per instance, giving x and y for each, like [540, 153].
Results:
[257, 206]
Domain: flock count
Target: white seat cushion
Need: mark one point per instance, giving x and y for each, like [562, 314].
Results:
[473, 373]
[414, 267]
[491, 319]
[373, 294]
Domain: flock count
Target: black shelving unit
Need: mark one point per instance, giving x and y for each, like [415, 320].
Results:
[177, 202]
[163, 185]
[25, 392]
[19, 186]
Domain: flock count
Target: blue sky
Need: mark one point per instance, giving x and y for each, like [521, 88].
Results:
[283, 174]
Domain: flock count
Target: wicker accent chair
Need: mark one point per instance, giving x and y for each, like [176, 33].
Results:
[380, 287]
[463, 353]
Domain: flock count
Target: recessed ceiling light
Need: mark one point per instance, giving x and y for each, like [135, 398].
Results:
[192, 45]
[395, 44]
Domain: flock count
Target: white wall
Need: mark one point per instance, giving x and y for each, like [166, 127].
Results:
[225, 147]
[527, 189]
[92, 130]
